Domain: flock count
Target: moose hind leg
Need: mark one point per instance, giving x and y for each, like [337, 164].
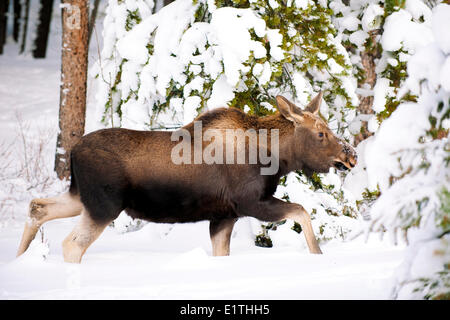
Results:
[43, 210]
[220, 233]
[82, 236]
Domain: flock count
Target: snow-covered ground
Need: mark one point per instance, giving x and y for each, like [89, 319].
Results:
[147, 264]
[157, 261]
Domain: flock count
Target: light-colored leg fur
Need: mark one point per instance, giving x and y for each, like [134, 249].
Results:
[82, 236]
[302, 217]
[220, 238]
[43, 210]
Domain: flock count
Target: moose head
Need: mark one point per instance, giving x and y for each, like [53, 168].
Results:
[313, 144]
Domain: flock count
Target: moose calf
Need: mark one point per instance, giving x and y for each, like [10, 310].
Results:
[118, 169]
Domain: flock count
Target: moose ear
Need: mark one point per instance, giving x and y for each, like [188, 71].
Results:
[315, 103]
[287, 109]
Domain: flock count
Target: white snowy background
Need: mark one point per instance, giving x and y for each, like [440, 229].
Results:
[162, 261]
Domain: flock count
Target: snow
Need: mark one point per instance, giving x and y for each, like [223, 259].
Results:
[266, 73]
[387, 144]
[350, 22]
[400, 31]
[334, 66]
[372, 17]
[275, 39]
[441, 23]
[358, 37]
[179, 265]
[445, 71]
[235, 40]
[222, 93]
[303, 4]
[418, 9]
[189, 107]
[381, 91]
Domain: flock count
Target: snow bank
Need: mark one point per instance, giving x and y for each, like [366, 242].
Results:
[179, 265]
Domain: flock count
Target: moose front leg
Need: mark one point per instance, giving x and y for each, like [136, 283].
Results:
[274, 210]
[220, 233]
[300, 215]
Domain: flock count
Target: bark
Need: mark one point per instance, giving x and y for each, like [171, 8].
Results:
[72, 110]
[365, 106]
[17, 7]
[4, 4]
[41, 41]
[24, 25]
[92, 19]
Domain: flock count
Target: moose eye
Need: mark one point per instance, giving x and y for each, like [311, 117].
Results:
[320, 134]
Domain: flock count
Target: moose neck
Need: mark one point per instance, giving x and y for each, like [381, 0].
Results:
[288, 160]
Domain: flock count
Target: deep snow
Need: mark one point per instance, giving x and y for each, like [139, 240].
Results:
[147, 264]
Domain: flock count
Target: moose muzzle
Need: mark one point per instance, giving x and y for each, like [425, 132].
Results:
[346, 159]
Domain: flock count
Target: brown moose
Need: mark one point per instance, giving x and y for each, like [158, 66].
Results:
[118, 169]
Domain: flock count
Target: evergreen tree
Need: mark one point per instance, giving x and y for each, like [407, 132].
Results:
[415, 177]
[405, 164]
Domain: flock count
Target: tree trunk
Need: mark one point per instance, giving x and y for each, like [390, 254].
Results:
[92, 19]
[17, 7]
[4, 5]
[72, 109]
[365, 106]
[43, 28]
[24, 24]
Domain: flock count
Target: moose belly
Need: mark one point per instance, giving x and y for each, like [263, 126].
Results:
[172, 204]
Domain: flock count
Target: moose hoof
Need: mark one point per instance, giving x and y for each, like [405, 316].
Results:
[72, 253]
